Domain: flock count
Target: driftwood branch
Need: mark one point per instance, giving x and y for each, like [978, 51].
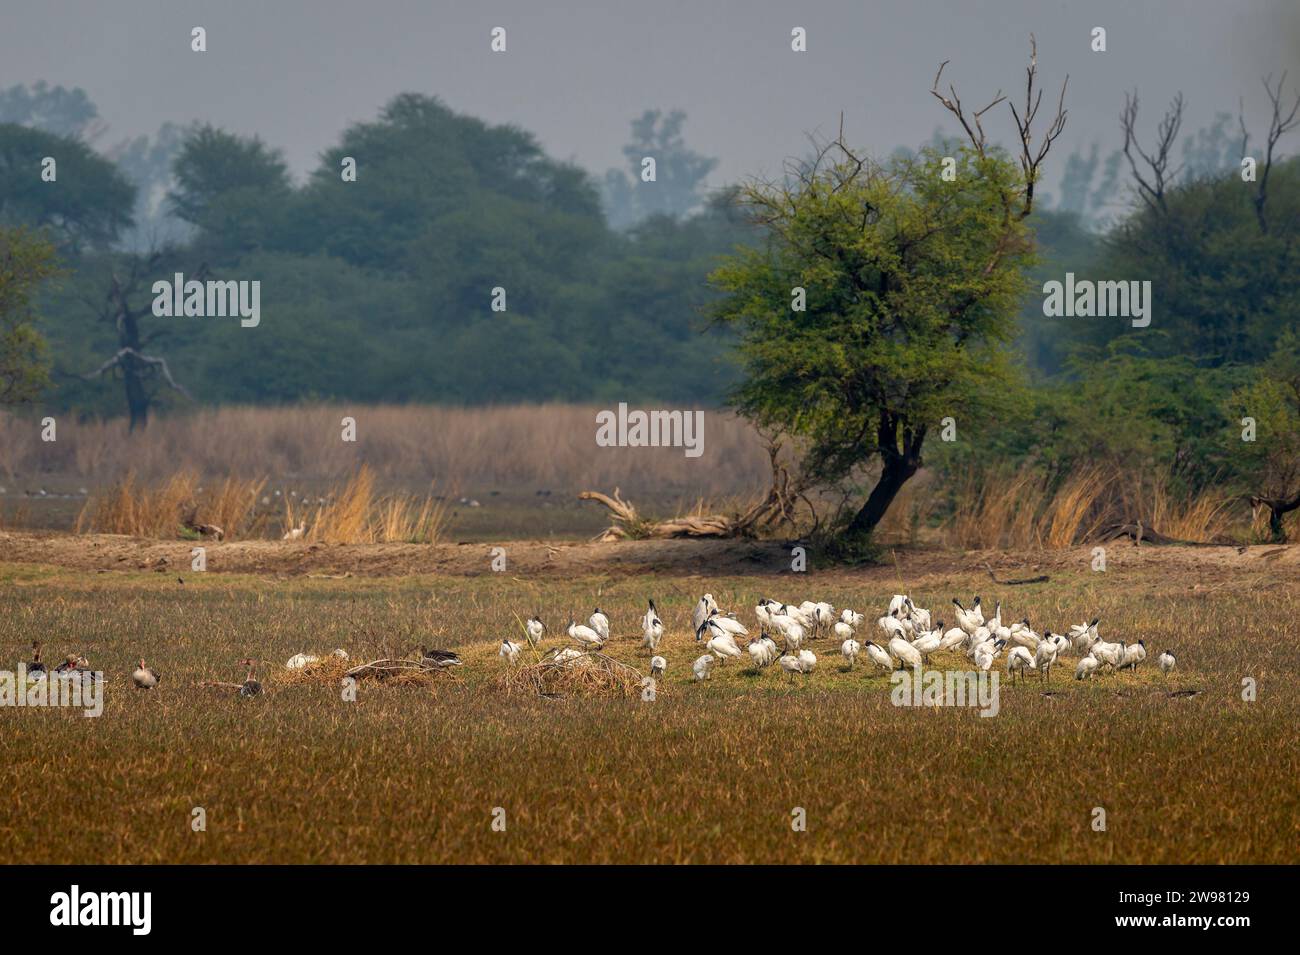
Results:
[776, 507]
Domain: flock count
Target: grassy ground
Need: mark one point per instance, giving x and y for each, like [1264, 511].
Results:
[705, 773]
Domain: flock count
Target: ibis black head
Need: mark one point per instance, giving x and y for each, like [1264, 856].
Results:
[977, 600]
[1094, 621]
[958, 603]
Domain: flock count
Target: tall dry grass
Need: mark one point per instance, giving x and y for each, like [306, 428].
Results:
[353, 513]
[1023, 509]
[548, 446]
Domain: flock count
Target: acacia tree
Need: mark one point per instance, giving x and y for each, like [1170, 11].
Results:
[911, 280]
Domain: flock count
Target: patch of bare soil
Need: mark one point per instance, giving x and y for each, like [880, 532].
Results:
[111, 552]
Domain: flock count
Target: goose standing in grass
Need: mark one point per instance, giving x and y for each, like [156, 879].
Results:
[879, 657]
[534, 629]
[510, 651]
[657, 667]
[1045, 659]
[145, 678]
[585, 637]
[703, 667]
[36, 669]
[1166, 662]
[600, 623]
[850, 649]
[652, 629]
[1134, 654]
[1019, 659]
[439, 658]
[250, 686]
[904, 652]
[1086, 667]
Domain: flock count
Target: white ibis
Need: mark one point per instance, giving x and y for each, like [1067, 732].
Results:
[657, 666]
[585, 637]
[1019, 659]
[703, 667]
[534, 629]
[850, 649]
[509, 650]
[600, 623]
[879, 657]
[1166, 662]
[652, 629]
[904, 652]
[1086, 667]
[1134, 654]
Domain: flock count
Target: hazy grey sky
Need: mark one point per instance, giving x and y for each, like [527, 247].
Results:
[576, 72]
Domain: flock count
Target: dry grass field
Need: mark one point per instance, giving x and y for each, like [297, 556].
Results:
[704, 773]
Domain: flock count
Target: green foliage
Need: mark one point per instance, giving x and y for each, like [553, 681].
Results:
[26, 261]
[86, 207]
[1223, 289]
[912, 284]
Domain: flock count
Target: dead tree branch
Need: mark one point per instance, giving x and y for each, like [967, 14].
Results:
[1152, 186]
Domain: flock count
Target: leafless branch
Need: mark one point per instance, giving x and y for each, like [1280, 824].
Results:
[1153, 185]
[159, 363]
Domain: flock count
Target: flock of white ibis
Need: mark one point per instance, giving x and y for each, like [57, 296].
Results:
[908, 637]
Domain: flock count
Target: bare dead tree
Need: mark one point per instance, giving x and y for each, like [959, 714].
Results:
[1278, 126]
[1031, 155]
[1155, 182]
[137, 369]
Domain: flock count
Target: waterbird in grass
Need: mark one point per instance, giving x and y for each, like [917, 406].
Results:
[986, 653]
[1134, 654]
[843, 631]
[509, 650]
[1019, 659]
[1109, 654]
[600, 623]
[586, 637]
[879, 657]
[703, 667]
[145, 678]
[1166, 662]
[250, 686]
[294, 533]
[439, 658]
[722, 644]
[36, 666]
[763, 651]
[1084, 635]
[1045, 658]
[904, 652]
[534, 629]
[850, 649]
[1086, 667]
[852, 618]
[652, 628]
[657, 666]
[807, 661]
[701, 613]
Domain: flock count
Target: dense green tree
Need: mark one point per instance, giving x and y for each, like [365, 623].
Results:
[26, 261]
[87, 205]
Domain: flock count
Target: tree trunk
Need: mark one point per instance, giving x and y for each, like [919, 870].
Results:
[900, 463]
[1278, 508]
